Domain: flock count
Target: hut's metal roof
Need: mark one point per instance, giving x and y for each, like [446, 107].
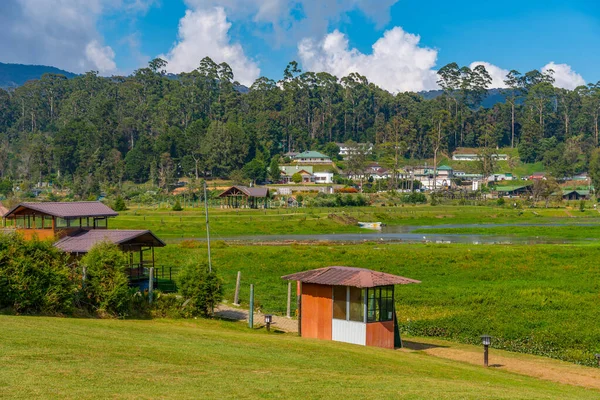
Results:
[67, 210]
[83, 240]
[348, 276]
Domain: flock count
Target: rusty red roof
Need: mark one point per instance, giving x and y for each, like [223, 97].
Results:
[3, 210]
[348, 276]
[66, 210]
[83, 240]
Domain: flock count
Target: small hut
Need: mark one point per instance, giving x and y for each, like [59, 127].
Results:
[244, 197]
[352, 305]
[576, 194]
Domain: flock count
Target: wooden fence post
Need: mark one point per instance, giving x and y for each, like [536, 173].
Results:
[289, 300]
[236, 298]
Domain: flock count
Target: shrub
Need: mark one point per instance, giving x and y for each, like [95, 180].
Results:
[202, 290]
[34, 277]
[582, 205]
[177, 206]
[500, 202]
[296, 178]
[414, 198]
[120, 204]
[106, 285]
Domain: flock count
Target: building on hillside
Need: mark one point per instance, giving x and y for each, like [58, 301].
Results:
[500, 177]
[311, 157]
[464, 154]
[306, 172]
[537, 176]
[348, 149]
[352, 305]
[76, 227]
[245, 197]
[290, 190]
[511, 191]
[425, 174]
[573, 194]
[324, 177]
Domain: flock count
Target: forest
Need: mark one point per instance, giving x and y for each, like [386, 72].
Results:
[90, 132]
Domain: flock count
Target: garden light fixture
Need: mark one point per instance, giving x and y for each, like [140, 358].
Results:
[268, 320]
[486, 340]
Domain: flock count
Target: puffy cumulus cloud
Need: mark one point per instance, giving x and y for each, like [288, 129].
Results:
[206, 33]
[297, 18]
[497, 74]
[61, 33]
[102, 57]
[564, 76]
[397, 62]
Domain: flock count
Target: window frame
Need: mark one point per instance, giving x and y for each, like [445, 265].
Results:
[378, 307]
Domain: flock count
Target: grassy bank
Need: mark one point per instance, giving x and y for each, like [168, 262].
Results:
[190, 223]
[536, 299]
[569, 232]
[79, 358]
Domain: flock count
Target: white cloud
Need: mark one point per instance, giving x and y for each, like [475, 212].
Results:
[564, 76]
[290, 20]
[206, 33]
[61, 33]
[102, 58]
[497, 74]
[397, 62]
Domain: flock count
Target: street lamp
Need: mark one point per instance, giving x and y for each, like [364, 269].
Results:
[268, 320]
[486, 340]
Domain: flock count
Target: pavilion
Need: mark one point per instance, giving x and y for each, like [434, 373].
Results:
[245, 197]
[345, 304]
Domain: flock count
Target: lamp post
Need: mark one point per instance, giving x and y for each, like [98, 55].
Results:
[268, 320]
[597, 358]
[486, 340]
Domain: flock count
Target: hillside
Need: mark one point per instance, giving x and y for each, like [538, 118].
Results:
[14, 75]
[85, 358]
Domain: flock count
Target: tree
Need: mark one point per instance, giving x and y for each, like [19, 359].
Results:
[255, 170]
[544, 189]
[515, 82]
[297, 178]
[203, 289]
[594, 169]
[120, 204]
[274, 170]
[438, 138]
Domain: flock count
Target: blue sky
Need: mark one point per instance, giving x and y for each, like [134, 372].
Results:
[258, 37]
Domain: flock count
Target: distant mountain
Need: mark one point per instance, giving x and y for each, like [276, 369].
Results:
[494, 96]
[13, 75]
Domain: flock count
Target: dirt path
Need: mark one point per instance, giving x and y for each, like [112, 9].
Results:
[239, 314]
[538, 367]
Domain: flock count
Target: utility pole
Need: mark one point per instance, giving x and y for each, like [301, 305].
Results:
[207, 228]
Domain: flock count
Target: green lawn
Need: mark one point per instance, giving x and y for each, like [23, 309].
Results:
[568, 232]
[85, 358]
[225, 223]
[539, 299]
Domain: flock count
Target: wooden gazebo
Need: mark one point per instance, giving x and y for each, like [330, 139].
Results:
[346, 304]
[245, 197]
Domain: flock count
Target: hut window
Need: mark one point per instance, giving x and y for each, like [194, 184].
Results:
[339, 302]
[380, 304]
[357, 304]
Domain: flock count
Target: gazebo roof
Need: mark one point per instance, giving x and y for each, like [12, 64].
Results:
[248, 191]
[65, 210]
[82, 241]
[348, 276]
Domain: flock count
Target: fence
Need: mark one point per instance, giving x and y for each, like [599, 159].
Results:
[164, 278]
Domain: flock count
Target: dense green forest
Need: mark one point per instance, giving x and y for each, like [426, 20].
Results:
[92, 132]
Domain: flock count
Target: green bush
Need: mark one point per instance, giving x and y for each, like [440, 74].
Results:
[414, 198]
[582, 205]
[177, 206]
[34, 277]
[106, 285]
[120, 204]
[500, 202]
[202, 290]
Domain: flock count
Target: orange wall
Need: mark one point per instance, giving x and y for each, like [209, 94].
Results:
[381, 334]
[317, 309]
[42, 234]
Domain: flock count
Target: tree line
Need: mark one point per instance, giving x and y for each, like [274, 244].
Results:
[91, 132]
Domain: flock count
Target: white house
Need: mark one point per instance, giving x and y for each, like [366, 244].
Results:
[472, 155]
[347, 149]
[311, 157]
[323, 177]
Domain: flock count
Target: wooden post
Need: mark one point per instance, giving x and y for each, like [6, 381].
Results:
[251, 310]
[150, 284]
[299, 309]
[236, 299]
[289, 300]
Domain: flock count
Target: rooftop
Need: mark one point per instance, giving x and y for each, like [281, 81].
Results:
[82, 241]
[348, 276]
[311, 154]
[65, 210]
[248, 191]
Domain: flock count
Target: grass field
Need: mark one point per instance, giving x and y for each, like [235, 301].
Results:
[84, 358]
[569, 232]
[225, 223]
[535, 299]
